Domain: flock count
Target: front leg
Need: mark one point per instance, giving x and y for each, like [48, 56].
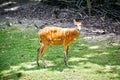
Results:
[66, 55]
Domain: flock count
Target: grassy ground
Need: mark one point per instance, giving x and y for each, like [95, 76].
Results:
[87, 60]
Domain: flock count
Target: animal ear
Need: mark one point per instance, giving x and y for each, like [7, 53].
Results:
[74, 21]
[81, 22]
[77, 23]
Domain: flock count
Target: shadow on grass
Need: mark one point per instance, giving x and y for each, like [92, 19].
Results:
[106, 59]
[11, 75]
[109, 59]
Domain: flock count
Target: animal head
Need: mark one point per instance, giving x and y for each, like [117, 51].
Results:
[78, 25]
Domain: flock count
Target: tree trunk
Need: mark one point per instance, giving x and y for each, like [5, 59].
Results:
[89, 7]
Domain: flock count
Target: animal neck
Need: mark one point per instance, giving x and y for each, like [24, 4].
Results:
[77, 32]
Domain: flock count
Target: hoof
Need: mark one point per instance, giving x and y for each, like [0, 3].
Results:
[38, 64]
[66, 63]
[45, 66]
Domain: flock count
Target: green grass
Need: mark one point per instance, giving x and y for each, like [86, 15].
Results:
[87, 60]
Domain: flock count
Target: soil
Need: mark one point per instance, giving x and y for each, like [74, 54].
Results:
[36, 15]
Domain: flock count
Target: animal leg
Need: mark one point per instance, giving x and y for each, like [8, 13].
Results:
[66, 55]
[43, 48]
[38, 52]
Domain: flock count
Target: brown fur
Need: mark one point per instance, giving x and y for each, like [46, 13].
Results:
[56, 35]
[51, 35]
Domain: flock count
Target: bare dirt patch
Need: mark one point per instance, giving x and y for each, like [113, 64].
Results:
[36, 15]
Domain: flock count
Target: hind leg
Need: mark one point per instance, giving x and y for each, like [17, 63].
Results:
[41, 51]
[66, 55]
[38, 52]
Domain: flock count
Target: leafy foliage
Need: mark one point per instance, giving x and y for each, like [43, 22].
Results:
[108, 8]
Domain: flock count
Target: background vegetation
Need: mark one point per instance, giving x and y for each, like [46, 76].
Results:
[110, 8]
